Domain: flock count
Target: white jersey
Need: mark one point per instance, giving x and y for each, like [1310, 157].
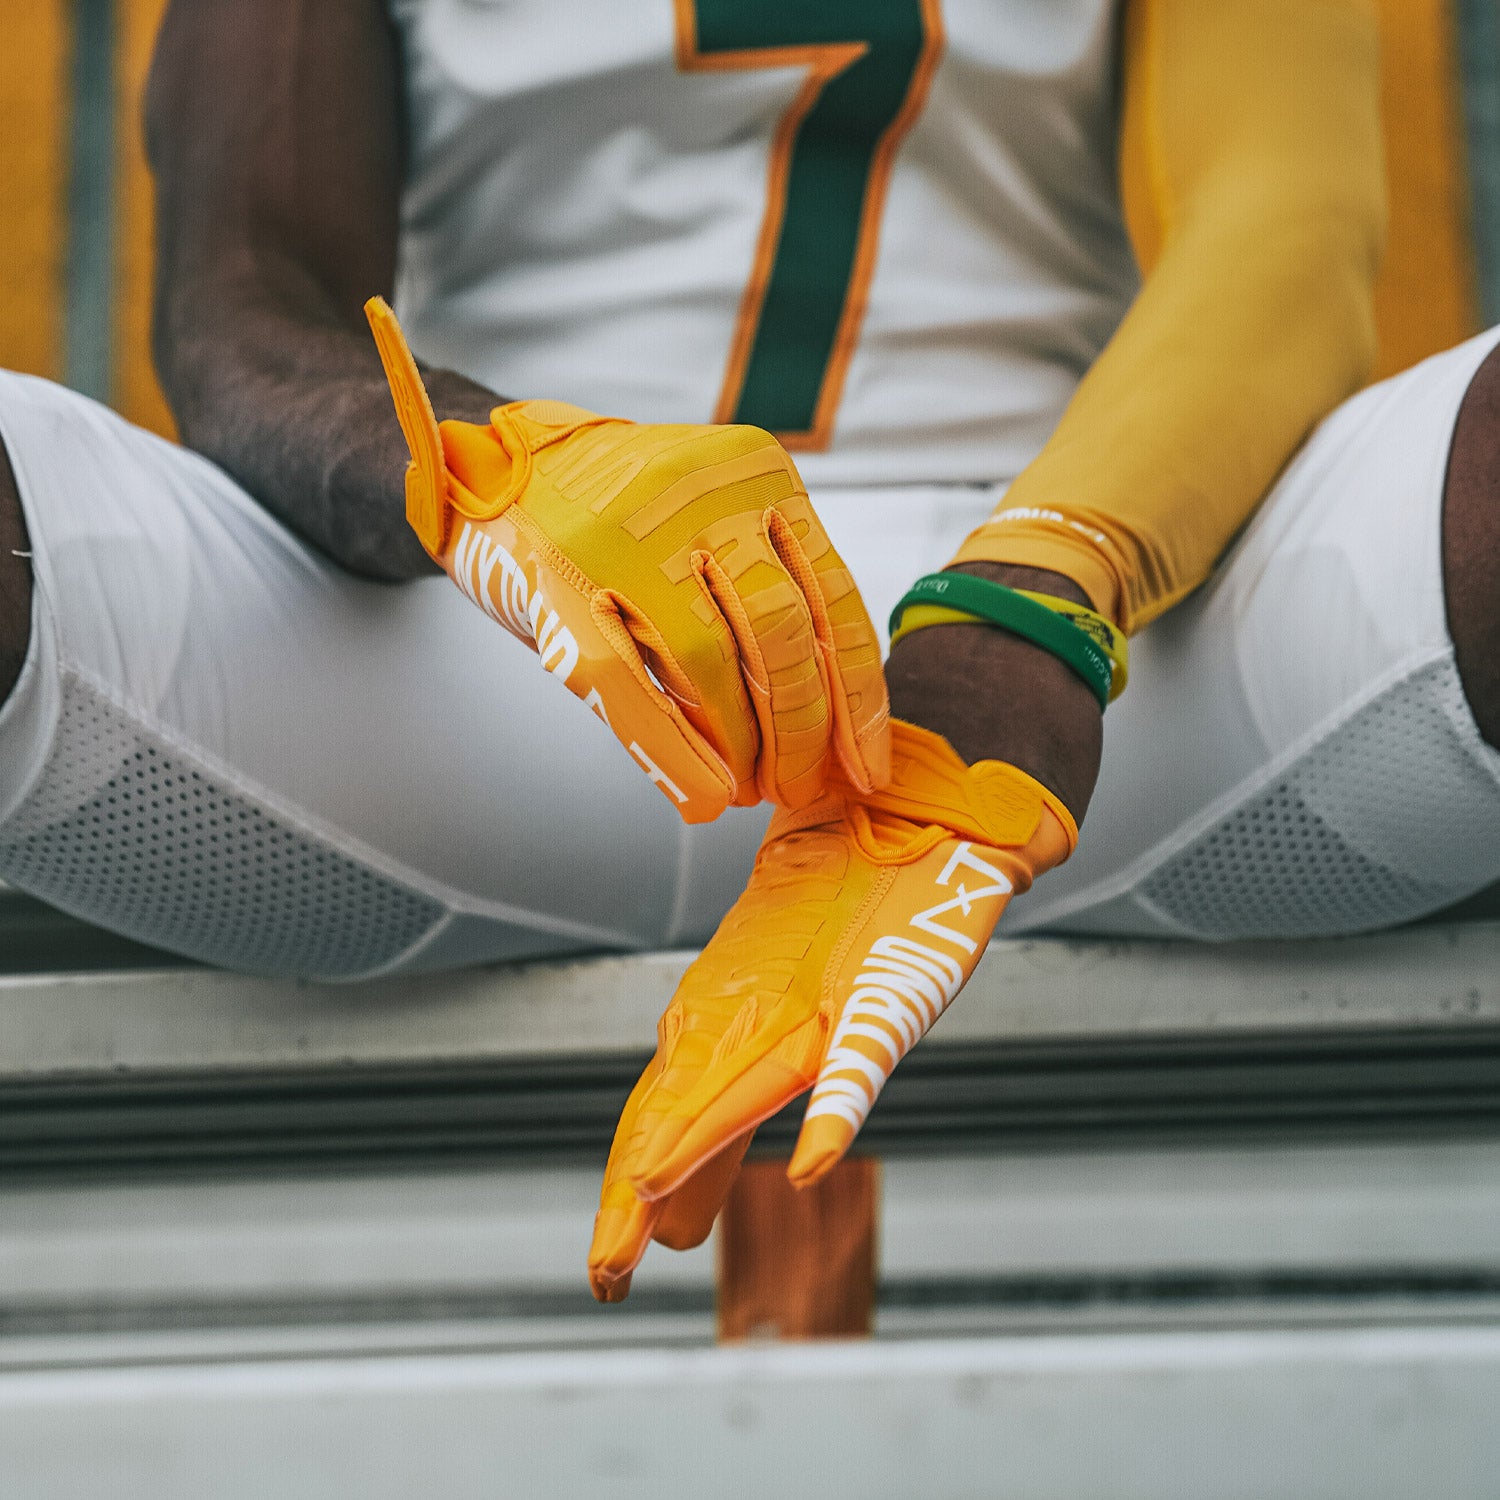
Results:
[888, 230]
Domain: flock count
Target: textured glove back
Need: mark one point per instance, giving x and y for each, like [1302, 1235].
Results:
[675, 578]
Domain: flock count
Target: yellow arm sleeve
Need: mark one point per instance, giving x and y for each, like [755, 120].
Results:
[1254, 194]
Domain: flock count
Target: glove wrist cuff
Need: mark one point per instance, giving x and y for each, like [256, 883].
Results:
[991, 802]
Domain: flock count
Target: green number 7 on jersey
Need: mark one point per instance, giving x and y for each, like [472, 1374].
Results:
[870, 64]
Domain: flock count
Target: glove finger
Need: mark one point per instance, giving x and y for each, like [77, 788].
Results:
[688, 1214]
[783, 669]
[622, 1232]
[509, 573]
[624, 1222]
[677, 1142]
[808, 651]
[904, 987]
[915, 953]
[669, 706]
[635, 510]
[848, 647]
[756, 996]
[712, 523]
[923, 941]
[856, 1070]
[745, 1033]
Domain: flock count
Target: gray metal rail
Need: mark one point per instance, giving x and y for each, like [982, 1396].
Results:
[1054, 1040]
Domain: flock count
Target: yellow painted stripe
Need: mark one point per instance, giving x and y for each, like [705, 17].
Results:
[1427, 296]
[33, 184]
[136, 392]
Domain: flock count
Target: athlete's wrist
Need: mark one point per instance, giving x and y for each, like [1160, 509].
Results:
[994, 696]
[1015, 576]
[368, 531]
[456, 398]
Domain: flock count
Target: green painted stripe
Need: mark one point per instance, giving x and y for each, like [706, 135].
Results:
[1479, 30]
[89, 304]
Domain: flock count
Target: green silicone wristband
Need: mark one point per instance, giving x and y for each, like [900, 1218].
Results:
[998, 605]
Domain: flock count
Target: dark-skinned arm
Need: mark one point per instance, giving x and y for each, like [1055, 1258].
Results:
[1251, 175]
[994, 696]
[275, 133]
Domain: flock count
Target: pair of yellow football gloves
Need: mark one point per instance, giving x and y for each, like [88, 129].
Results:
[676, 579]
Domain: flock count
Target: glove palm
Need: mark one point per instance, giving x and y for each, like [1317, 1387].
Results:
[865, 915]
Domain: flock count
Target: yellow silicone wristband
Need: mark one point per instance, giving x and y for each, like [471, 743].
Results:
[1108, 636]
[918, 616]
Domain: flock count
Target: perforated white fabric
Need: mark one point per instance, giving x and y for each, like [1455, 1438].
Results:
[124, 831]
[1392, 816]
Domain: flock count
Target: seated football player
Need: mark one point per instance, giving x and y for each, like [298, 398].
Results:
[756, 339]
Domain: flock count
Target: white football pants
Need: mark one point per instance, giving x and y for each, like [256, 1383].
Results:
[222, 744]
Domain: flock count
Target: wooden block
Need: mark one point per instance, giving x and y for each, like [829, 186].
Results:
[799, 1265]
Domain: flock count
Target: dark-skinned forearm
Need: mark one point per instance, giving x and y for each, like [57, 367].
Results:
[268, 381]
[994, 696]
[275, 130]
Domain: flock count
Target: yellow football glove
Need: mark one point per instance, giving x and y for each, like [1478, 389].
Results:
[864, 916]
[675, 578]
